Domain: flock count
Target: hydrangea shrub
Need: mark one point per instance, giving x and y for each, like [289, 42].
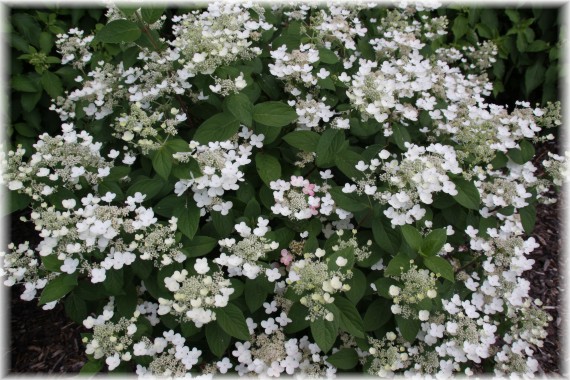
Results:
[276, 190]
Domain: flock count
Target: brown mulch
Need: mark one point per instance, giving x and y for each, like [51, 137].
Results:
[48, 342]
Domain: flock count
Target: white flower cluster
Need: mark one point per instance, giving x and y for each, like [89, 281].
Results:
[296, 66]
[73, 47]
[196, 297]
[422, 172]
[416, 285]
[244, 255]
[312, 278]
[220, 164]
[111, 340]
[271, 354]
[297, 199]
[170, 356]
[215, 37]
[60, 160]
[338, 25]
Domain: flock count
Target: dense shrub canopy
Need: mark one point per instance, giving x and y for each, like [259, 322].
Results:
[275, 189]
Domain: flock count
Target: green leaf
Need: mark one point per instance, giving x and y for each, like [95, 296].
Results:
[350, 319]
[274, 114]
[528, 218]
[522, 155]
[347, 253]
[232, 321]
[533, 77]
[223, 224]
[220, 127]
[24, 84]
[297, 314]
[467, 194]
[401, 136]
[126, 304]
[152, 14]
[377, 314]
[119, 31]
[199, 246]
[114, 281]
[324, 333]
[188, 218]
[433, 242]
[17, 202]
[399, 263]
[46, 42]
[327, 56]
[412, 237]
[303, 140]
[460, 27]
[148, 186]
[346, 358]
[240, 107]
[256, 292]
[91, 367]
[58, 287]
[409, 328]
[268, 167]
[75, 308]
[347, 161]
[162, 162]
[358, 286]
[331, 143]
[439, 265]
[383, 286]
[349, 201]
[29, 100]
[218, 340]
[382, 238]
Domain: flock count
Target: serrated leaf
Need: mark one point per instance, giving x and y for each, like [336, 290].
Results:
[399, 263]
[220, 127]
[232, 321]
[324, 333]
[467, 194]
[528, 218]
[268, 167]
[409, 328]
[57, 288]
[303, 140]
[412, 236]
[345, 358]
[377, 314]
[24, 84]
[350, 319]
[349, 201]
[256, 292]
[152, 14]
[119, 31]
[357, 286]
[148, 186]
[439, 265]
[240, 107]
[331, 143]
[434, 242]
[162, 162]
[199, 246]
[188, 218]
[218, 340]
[274, 114]
[297, 314]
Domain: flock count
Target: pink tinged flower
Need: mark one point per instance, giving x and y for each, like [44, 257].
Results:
[286, 257]
[298, 181]
[309, 189]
